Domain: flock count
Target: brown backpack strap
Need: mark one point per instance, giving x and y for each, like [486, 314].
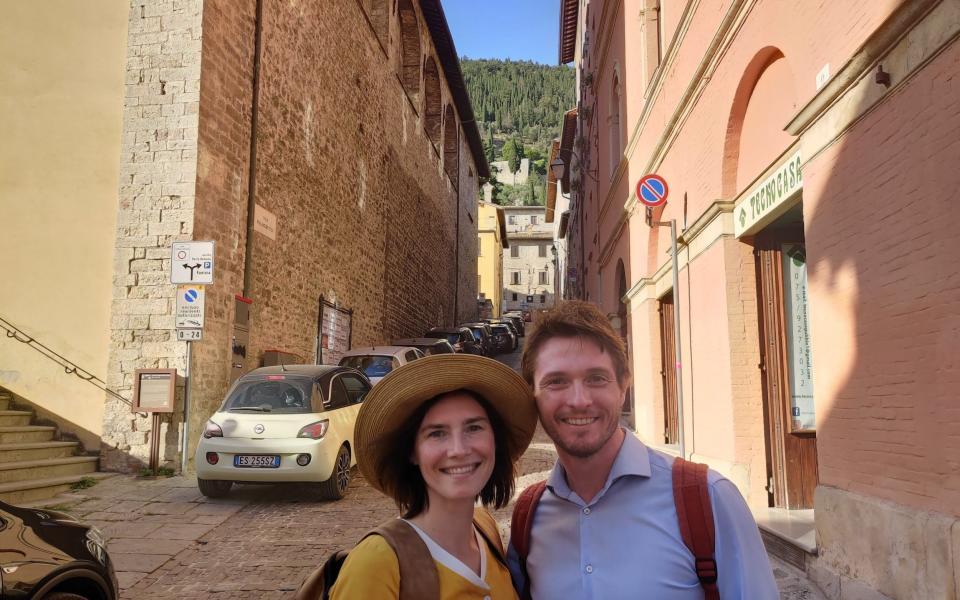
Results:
[489, 531]
[418, 573]
[695, 515]
[521, 526]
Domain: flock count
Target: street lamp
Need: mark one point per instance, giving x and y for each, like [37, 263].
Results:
[559, 167]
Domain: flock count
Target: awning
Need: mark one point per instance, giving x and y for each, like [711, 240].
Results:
[567, 134]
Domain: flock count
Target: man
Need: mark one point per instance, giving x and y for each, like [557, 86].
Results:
[606, 527]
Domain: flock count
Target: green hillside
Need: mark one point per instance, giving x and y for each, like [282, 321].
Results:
[519, 107]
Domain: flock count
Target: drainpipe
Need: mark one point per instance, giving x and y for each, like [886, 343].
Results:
[456, 244]
[252, 174]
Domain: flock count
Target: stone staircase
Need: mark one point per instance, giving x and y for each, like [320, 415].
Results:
[34, 463]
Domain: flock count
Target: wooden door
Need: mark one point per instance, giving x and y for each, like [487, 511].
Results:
[668, 371]
[791, 455]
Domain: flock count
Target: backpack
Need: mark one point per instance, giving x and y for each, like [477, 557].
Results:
[418, 573]
[694, 513]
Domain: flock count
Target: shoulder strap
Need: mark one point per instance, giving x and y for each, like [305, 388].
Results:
[695, 515]
[318, 583]
[418, 573]
[521, 525]
[490, 531]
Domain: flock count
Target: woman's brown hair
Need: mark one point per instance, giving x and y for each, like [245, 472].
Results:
[402, 479]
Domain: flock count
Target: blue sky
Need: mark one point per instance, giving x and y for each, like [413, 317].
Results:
[515, 29]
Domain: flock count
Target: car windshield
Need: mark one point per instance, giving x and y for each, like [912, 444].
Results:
[275, 394]
[435, 349]
[370, 365]
[477, 335]
[453, 338]
[500, 329]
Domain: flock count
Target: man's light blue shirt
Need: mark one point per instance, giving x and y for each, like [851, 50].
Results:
[625, 542]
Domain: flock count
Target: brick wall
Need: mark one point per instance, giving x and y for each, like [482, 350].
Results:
[366, 214]
[885, 301]
[156, 203]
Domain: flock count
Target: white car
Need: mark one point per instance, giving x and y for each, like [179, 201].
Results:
[290, 423]
[376, 361]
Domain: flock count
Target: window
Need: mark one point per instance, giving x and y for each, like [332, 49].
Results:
[668, 373]
[338, 395]
[356, 388]
[432, 104]
[451, 146]
[514, 297]
[411, 355]
[479, 246]
[543, 298]
[542, 251]
[616, 143]
[543, 278]
[512, 220]
[533, 219]
[479, 283]
[515, 278]
[514, 250]
[409, 48]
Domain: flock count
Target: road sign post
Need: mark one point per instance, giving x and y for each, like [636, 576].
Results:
[652, 191]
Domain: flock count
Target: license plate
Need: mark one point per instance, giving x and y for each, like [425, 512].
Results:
[257, 461]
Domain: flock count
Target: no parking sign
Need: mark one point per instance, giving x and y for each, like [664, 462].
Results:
[652, 190]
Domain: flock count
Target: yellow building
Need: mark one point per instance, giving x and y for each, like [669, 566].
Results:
[492, 230]
[61, 103]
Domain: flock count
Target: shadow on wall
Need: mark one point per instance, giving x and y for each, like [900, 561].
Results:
[880, 226]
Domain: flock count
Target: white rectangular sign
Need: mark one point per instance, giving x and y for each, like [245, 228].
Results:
[768, 200]
[190, 304]
[189, 335]
[191, 262]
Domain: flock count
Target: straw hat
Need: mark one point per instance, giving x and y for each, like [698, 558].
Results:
[404, 390]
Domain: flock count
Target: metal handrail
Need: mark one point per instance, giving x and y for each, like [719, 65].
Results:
[69, 368]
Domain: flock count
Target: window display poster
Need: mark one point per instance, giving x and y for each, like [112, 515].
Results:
[799, 359]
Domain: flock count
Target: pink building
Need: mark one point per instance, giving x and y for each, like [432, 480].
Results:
[812, 153]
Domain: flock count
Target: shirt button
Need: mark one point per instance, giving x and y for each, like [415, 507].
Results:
[586, 511]
[589, 569]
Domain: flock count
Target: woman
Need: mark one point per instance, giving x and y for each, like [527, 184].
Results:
[435, 435]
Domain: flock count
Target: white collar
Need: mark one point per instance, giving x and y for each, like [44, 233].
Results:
[452, 562]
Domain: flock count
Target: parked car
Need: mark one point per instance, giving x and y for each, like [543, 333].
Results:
[517, 321]
[513, 331]
[51, 555]
[503, 338]
[484, 336]
[461, 338]
[427, 345]
[376, 361]
[290, 423]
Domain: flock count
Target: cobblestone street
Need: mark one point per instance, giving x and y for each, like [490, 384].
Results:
[168, 541]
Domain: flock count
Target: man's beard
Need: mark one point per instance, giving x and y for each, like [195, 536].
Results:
[581, 449]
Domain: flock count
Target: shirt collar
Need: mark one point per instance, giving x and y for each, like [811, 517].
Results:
[633, 458]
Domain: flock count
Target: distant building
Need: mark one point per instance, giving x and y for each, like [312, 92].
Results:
[529, 266]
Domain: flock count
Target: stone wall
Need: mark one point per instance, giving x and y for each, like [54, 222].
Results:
[366, 214]
[156, 206]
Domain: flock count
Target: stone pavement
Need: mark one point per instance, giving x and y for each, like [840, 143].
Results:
[170, 542]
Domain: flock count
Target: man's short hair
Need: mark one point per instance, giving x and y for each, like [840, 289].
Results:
[575, 318]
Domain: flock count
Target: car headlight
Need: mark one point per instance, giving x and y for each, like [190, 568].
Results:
[97, 544]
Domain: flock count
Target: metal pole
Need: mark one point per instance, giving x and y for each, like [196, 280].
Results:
[676, 335]
[186, 413]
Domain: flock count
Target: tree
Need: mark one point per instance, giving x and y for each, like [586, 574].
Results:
[511, 155]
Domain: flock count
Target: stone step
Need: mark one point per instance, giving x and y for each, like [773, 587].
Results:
[33, 490]
[15, 418]
[47, 468]
[36, 451]
[26, 433]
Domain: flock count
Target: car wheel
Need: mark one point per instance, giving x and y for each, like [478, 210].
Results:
[214, 489]
[64, 596]
[335, 487]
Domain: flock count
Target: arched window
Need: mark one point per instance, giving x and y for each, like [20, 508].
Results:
[432, 102]
[616, 141]
[409, 48]
[377, 12]
[451, 146]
